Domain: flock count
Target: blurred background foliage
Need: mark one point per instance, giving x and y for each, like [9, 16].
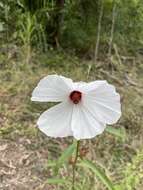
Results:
[73, 24]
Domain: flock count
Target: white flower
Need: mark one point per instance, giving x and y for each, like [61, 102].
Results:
[85, 108]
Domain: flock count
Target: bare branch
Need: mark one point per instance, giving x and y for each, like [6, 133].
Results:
[98, 32]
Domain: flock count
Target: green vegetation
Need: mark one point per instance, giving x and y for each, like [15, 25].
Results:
[85, 40]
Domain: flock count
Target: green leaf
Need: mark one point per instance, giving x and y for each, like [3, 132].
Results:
[98, 172]
[1, 27]
[66, 154]
[64, 157]
[56, 181]
[120, 132]
[51, 163]
[119, 187]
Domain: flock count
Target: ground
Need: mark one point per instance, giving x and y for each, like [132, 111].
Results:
[24, 150]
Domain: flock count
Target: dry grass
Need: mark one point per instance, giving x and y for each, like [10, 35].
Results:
[24, 150]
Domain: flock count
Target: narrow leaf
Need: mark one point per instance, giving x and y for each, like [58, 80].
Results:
[66, 154]
[98, 172]
[64, 157]
[56, 181]
[120, 132]
[51, 163]
[1, 27]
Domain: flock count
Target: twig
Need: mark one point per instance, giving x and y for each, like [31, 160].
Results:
[112, 28]
[117, 80]
[117, 54]
[98, 32]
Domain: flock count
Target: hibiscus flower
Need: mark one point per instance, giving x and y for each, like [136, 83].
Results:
[83, 111]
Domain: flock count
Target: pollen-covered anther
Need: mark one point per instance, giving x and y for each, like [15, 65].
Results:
[75, 96]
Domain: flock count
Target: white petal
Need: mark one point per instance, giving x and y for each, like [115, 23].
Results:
[103, 102]
[52, 88]
[79, 85]
[84, 124]
[56, 122]
[86, 87]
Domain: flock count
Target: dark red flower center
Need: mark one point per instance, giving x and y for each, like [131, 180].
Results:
[75, 96]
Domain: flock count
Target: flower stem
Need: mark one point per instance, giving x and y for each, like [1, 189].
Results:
[74, 164]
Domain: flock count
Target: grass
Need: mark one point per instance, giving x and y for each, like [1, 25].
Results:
[24, 150]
